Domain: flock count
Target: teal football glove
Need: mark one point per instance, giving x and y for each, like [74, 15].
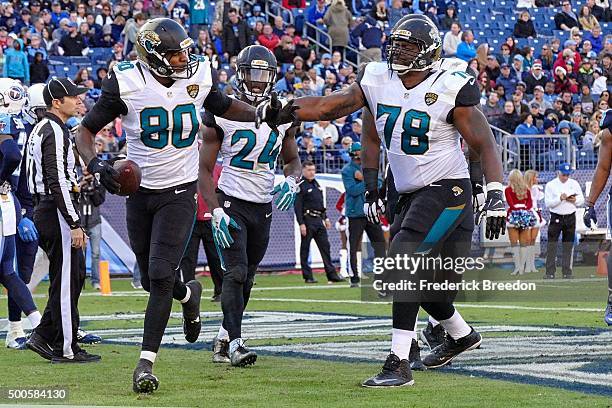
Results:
[287, 190]
[220, 226]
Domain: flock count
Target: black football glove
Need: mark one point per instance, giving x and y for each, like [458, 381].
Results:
[105, 173]
[589, 216]
[374, 206]
[275, 112]
[494, 212]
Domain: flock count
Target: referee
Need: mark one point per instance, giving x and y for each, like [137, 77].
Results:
[53, 183]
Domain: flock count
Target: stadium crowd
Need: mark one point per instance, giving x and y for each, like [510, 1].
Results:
[555, 87]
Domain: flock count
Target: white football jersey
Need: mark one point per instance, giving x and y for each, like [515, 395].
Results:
[249, 159]
[162, 123]
[422, 147]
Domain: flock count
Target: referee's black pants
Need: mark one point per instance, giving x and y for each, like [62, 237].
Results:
[60, 320]
[202, 232]
[315, 229]
[564, 225]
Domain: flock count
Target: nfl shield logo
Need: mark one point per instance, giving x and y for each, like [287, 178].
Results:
[193, 90]
[430, 98]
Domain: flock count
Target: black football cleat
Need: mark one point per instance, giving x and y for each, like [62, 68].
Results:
[432, 336]
[242, 356]
[311, 280]
[191, 312]
[80, 357]
[451, 348]
[144, 382]
[220, 351]
[395, 373]
[38, 345]
[332, 278]
[415, 357]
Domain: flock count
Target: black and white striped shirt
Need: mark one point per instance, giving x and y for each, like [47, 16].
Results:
[50, 166]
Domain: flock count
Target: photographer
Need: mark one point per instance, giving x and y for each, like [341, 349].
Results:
[93, 195]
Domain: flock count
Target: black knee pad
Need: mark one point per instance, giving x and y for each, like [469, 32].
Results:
[237, 273]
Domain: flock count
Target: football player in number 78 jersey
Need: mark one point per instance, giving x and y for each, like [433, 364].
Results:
[242, 210]
[419, 111]
[159, 98]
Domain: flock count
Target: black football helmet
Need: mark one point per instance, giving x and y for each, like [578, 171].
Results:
[419, 30]
[255, 72]
[159, 37]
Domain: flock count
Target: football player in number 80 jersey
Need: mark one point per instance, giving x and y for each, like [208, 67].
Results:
[159, 99]
[419, 110]
[242, 210]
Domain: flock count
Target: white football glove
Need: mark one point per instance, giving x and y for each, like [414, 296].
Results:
[220, 228]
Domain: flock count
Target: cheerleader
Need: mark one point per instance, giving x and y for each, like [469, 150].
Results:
[531, 179]
[520, 219]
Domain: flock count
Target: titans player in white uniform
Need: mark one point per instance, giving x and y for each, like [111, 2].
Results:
[245, 194]
[159, 98]
[419, 111]
[600, 178]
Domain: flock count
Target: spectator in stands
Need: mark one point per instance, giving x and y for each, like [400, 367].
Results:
[524, 28]
[117, 54]
[57, 13]
[235, 33]
[506, 54]
[516, 70]
[24, 21]
[338, 19]
[538, 117]
[39, 71]
[600, 11]
[16, 64]
[355, 132]
[286, 51]
[535, 77]
[286, 85]
[81, 14]
[452, 40]
[35, 47]
[599, 81]
[508, 120]
[546, 57]
[506, 79]
[566, 18]
[379, 11]
[587, 20]
[466, 49]
[562, 83]
[279, 26]
[397, 11]
[492, 109]
[323, 129]
[255, 17]
[81, 76]
[316, 12]
[105, 17]
[586, 100]
[307, 149]
[304, 88]
[449, 18]
[587, 50]
[362, 7]
[485, 85]
[432, 12]
[526, 127]
[107, 40]
[520, 106]
[585, 73]
[492, 68]
[316, 82]
[565, 57]
[268, 39]
[294, 4]
[538, 96]
[549, 91]
[157, 9]
[299, 67]
[87, 35]
[132, 28]
[596, 39]
[372, 38]
[568, 104]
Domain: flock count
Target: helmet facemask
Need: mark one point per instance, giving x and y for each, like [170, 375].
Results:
[408, 54]
[159, 62]
[256, 81]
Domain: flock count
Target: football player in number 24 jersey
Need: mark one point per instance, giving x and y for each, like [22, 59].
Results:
[159, 98]
[419, 110]
[246, 189]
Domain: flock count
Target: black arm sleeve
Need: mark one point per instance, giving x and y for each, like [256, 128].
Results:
[217, 102]
[108, 107]
[476, 175]
[208, 120]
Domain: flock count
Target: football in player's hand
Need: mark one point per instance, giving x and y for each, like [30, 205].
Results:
[129, 176]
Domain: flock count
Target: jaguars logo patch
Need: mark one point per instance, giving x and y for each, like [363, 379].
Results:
[430, 98]
[149, 40]
[193, 90]
[457, 191]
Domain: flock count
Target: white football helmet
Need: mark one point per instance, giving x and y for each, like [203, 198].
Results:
[12, 96]
[35, 106]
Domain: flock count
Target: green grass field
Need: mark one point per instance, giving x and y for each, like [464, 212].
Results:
[285, 379]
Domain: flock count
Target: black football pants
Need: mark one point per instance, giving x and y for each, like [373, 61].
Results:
[242, 257]
[202, 232]
[159, 225]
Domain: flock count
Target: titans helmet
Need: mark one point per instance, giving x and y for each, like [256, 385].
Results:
[12, 96]
[414, 44]
[255, 72]
[157, 39]
[35, 107]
